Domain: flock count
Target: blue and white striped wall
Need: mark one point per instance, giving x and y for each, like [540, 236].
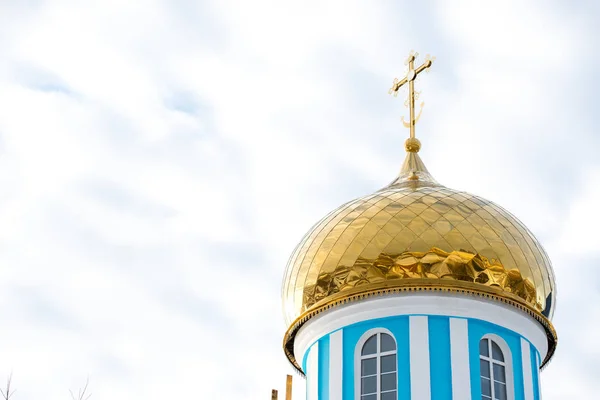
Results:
[437, 353]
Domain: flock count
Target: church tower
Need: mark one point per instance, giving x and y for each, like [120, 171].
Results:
[419, 292]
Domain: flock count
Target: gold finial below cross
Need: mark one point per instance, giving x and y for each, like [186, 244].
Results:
[412, 144]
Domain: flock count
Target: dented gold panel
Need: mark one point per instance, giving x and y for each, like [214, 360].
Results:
[414, 229]
[428, 232]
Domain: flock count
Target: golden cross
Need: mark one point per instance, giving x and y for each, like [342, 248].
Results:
[412, 144]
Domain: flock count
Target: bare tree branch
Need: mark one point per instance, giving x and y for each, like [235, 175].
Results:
[81, 395]
[7, 394]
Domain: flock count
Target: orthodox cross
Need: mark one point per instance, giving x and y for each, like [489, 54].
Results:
[410, 77]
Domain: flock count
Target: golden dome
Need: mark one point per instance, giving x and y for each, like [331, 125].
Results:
[416, 234]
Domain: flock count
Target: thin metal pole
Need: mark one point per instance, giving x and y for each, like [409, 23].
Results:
[288, 388]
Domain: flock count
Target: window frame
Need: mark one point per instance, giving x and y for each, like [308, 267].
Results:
[507, 363]
[358, 357]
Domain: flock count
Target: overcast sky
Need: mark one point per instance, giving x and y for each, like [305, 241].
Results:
[159, 161]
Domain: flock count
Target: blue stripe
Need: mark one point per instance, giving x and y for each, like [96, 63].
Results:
[306, 358]
[401, 332]
[517, 365]
[324, 368]
[535, 370]
[439, 356]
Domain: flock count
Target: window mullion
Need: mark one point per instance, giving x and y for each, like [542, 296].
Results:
[378, 358]
[492, 380]
[491, 366]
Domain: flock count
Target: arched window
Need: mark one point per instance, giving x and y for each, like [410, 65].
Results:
[378, 367]
[493, 370]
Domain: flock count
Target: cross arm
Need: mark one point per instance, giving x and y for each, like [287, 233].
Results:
[423, 67]
[397, 85]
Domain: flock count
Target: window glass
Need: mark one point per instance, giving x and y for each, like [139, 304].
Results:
[499, 391]
[387, 342]
[369, 385]
[388, 363]
[483, 348]
[499, 374]
[496, 352]
[369, 366]
[486, 387]
[388, 395]
[370, 346]
[485, 368]
[388, 382]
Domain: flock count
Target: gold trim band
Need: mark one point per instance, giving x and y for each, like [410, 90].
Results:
[290, 335]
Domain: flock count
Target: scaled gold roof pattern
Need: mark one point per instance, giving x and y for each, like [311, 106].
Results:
[427, 231]
[417, 233]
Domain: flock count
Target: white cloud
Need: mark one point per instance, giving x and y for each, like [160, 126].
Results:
[580, 231]
[160, 160]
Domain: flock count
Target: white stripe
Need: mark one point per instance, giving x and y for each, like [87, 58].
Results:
[312, 369]
[459, 355]
[335, 365]
[527, 372]
[420, 386]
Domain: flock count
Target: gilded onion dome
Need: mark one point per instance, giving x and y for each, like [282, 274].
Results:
[414, 235]
[417, 235]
